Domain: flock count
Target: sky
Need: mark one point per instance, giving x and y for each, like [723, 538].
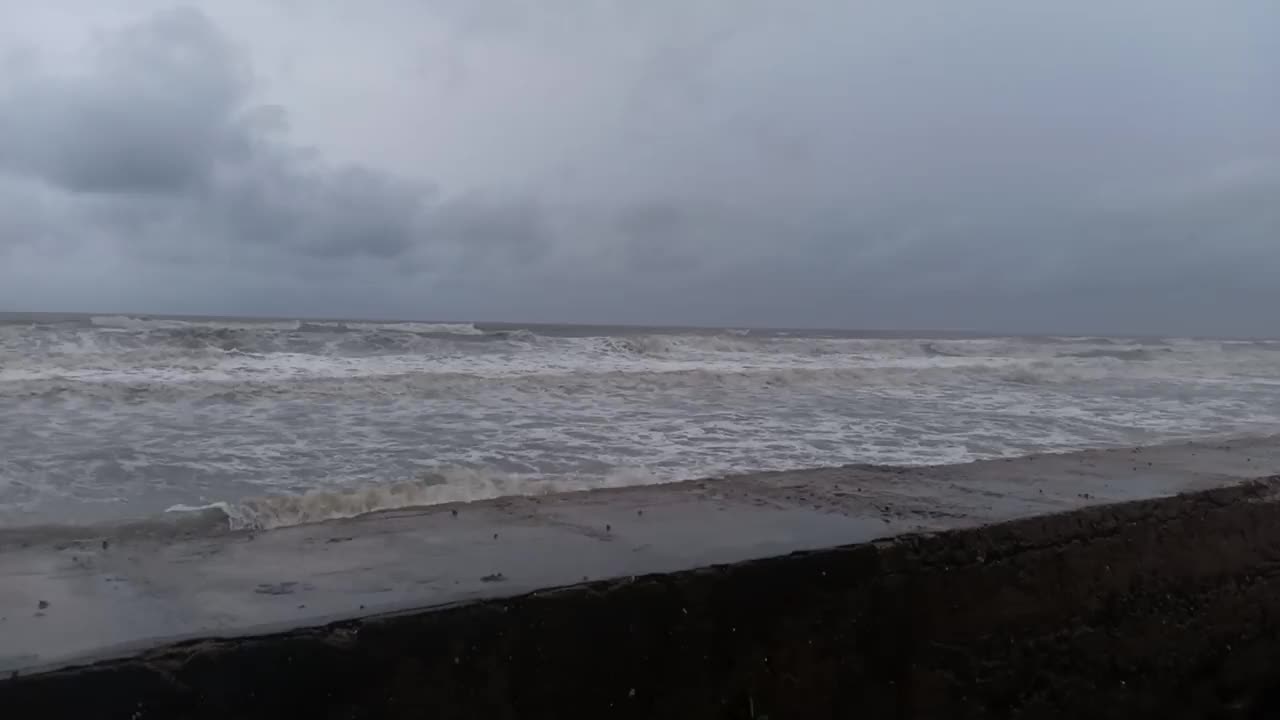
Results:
[1085, 167]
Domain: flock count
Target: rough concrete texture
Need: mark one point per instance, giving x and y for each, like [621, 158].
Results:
[1007, 589]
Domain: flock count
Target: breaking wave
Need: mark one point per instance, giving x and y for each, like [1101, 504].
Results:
[183, 522]
[447, 486]
[268, 512]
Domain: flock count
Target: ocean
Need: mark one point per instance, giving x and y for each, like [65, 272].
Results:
[247, 423]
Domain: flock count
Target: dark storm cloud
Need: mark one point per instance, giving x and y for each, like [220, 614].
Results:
[488, 228]
[325, 212]
[159, 142]
[1203, 259]
[154, 113]
[995, 164]
[664, 237]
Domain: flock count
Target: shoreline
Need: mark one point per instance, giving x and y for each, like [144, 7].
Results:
[1194, 519]
[218, 518]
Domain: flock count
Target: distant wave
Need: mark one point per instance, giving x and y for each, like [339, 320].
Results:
[129, 322]
[519, 334]
[1133, 354]
[142, 340]
[126, 322]
[933, 349]
[416, 328]
[662, 345]
[215, 361]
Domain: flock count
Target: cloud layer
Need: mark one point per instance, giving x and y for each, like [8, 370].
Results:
[998, 166]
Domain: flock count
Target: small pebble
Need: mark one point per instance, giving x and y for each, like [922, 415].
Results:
[495, 536]
[454, 512]
[42, 604]
[105, 544]
[608, 528]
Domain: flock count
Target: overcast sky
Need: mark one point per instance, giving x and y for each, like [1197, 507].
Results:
[1087, 166]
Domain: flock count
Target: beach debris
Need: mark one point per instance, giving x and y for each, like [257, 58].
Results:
[495, 577]
[42, 604]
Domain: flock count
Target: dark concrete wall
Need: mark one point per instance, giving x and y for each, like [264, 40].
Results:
[1164, 608]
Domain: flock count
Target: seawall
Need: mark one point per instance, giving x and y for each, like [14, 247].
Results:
[1114, 584]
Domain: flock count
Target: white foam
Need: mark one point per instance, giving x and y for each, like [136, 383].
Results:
[142, 415]
[667, 361]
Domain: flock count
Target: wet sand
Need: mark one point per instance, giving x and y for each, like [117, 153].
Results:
[1055, 584]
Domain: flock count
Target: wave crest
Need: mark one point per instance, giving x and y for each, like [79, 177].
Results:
[445, 486]
[130, 322]
[666, 345]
